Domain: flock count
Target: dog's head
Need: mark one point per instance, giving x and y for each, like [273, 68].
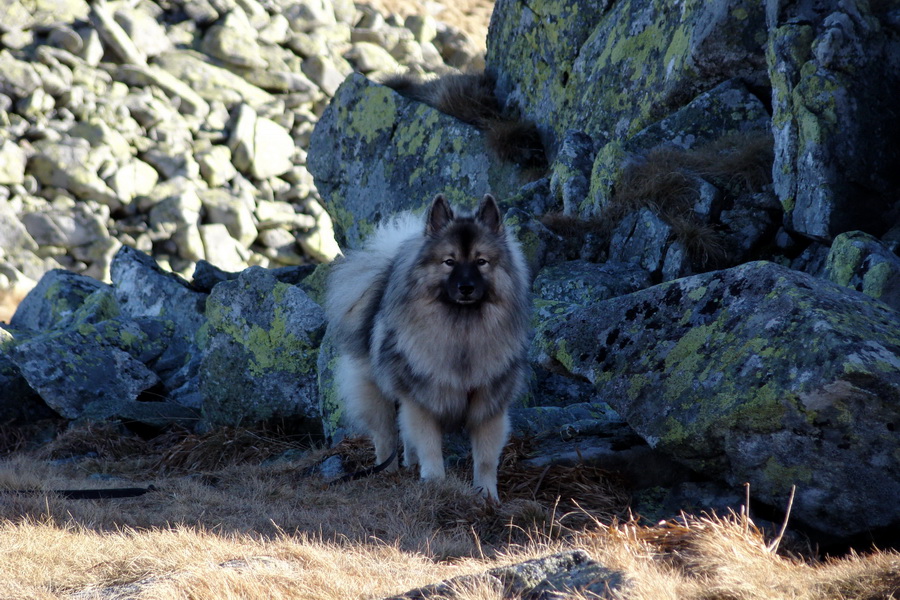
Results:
[463, 252]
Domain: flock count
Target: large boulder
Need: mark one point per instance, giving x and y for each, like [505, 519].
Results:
[754, 374]
[93, 364]
[144, 289]
[375, 153]
[611, 69]
[835, 69]
[259, 358]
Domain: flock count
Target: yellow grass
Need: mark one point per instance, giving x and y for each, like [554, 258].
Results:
[258, 531]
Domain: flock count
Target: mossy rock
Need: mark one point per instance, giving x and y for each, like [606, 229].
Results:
[375, 153]
[260, 351]
[754, 374]
[863, 263]
[612, 69]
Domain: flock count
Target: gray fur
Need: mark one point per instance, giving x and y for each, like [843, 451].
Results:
[433, 316]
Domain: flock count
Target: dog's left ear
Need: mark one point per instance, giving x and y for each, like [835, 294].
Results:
[489, 214]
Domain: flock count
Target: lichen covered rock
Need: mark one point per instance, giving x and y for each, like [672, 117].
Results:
[611, 69]
[862, 262]
[259, 358]
[834, 70]
[755, 374]
[375, 153]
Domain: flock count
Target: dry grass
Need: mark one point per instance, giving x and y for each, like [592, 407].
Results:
[240, 527]
[664, 180]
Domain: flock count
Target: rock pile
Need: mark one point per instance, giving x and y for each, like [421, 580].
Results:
[180, 128]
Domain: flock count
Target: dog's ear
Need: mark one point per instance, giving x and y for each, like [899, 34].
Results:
[489, 214]
[439, 215]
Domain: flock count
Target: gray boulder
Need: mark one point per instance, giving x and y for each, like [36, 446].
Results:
[143, 289]
[834, 69]
[57, 296]
[93, 364]
[259, 358]
[374, 153]
[580, 282]
[557, 575]
[754, 374]
[862, 262]
[18, 402]
[611, 69]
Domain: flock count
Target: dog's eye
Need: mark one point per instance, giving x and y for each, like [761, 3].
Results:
[449, 262]
[481, 262]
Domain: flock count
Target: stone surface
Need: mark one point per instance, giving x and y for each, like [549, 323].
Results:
[766, 375]
[569, 572]
[259, 359]
[863, 263]
[610, 69]
[372, 143]
[833, 68]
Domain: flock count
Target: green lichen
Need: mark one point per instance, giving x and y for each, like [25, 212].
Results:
[878, 278]
[779, 476]
[374, 113]
[268, 348]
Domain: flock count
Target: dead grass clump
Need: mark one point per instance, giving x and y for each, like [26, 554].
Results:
[729, 558]
[470, 98]
[219, 448]
[105, 440]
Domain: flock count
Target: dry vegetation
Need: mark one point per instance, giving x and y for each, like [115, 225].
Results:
[226, 521]
[665, 180]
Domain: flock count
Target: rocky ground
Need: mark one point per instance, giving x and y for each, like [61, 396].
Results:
[180, 128]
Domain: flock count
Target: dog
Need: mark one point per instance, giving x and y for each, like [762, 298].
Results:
[431, 323]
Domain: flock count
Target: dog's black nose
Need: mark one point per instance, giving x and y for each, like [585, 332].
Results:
[466, 290]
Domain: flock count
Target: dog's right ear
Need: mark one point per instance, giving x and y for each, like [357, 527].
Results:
[439, 215]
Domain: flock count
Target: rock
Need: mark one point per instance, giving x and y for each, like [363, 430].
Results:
[580, 282]
[260, 147]
[57, 295]
[728, 109]
[210, 82]
[92, 360]
[190, 102]
[73, 165]
[19, 77]
[863, 263]
[134, 178]
[66, 226]
[221, 249]
[18, 402]
[114, 36]
[373, 144]
[612, 69]
[234, 40]
[570, 173]
[565, 573]
[232, 212]
[323, 73]
[744, 399]
[12, 163]
[259, 359]
[143, 289]
[143, 28]
[641, 238]
[216, 166]
[833, 69]
[368, 57]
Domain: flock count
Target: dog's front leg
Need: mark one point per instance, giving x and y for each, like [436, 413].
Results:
[488, 439]
[421, 434]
